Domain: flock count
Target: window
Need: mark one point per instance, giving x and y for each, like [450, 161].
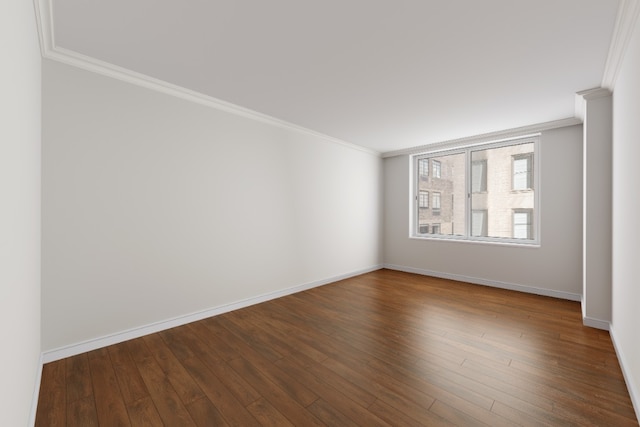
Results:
[522, 171]
[423, 165]
[479, 223]
[478, 176]
[446, 199]
[486, 192]
[436, 169]
[424, 199]
[522, 225]
[436, 201]
[424, 228]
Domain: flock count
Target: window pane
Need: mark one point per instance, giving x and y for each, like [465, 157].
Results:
[507, 168]
[479, 223]
[522, 171]
[479, 176]
[423, 166]
[522, 227]
[445, 193]
[437, 169]
[436, 201]
[424, 199]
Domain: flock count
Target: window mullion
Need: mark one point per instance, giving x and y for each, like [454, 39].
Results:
[468, 185]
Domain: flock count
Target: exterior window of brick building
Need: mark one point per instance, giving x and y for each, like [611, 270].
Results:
[478, 193]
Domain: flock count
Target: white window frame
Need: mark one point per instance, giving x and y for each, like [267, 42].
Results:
[468, 149]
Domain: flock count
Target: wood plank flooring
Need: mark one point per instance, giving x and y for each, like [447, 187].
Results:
[382, 349]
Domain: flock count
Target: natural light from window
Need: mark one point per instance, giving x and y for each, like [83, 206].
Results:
[482, 192]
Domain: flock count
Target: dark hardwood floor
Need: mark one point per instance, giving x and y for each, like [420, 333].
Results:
[385, 348]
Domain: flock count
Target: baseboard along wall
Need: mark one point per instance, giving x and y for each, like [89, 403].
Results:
[485, 282]
[115, 338]
[634, 392]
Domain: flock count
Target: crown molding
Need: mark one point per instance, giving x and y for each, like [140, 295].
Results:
[588, 95]
[628, 11]
[100, 67]
[44, 24]
[487, 137]
[595, 93]
[49, 50]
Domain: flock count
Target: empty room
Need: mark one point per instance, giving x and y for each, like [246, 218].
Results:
[349, 213]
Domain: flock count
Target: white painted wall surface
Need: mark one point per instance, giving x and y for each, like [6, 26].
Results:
[155, 207]
[625, 325]
[20, 104]
[554, 268]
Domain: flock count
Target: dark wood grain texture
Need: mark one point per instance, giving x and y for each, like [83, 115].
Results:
[381, 349]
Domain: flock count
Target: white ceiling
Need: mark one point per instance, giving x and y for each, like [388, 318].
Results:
[383, 74]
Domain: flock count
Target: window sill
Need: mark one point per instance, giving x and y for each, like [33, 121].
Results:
[533, 244]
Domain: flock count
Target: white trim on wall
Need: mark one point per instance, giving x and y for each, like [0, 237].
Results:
[595, 323]
[628, 12]
[49, 50]
[588, 94]
[485, 282]
[93, 344]
[634, 393]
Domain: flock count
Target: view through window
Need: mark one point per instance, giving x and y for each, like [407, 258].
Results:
[484, 192]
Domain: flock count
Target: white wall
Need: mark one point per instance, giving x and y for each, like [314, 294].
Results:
[554, 268]
[596, 220]
[625, 325]
[155, 207]
[20, 102]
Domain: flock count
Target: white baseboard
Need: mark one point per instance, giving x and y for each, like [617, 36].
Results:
[115, 338]
[36, 393]
[591, 321]
[485, 282]
[595, 323]
[632, 387]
